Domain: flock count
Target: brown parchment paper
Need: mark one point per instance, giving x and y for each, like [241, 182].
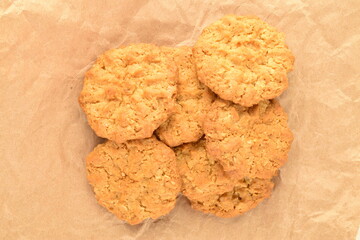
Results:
[47, 46]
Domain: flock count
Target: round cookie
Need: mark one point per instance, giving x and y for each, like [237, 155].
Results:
[129, 92]
[210, 190]
[245, 196]
[243, 59]
[201, 176]
[134, 180]
[193, 99]
[248, 142]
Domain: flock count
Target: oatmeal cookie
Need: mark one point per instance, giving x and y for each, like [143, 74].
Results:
[248, 142]
[129, 92]
[134, 180]
[193, 99]
[246, 195]
[211, 190]
[201, 176]
[243, 59]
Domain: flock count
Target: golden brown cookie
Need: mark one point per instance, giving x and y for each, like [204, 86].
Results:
[193, 99]
[134, 180]
[129, 92]
[248, 142]
[210, 190]
[243, 59]
[200, 175]
[246, 195]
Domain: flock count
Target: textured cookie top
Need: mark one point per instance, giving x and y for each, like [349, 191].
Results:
[243, 59]
[193, 99]
[246, 195]
[200, 175]
[248, 142]
[135, 180]
[129, 92]
[211, 190]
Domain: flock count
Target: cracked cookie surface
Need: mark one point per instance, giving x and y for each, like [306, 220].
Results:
[192, 101]
[248, 142]
[200, 175]
[245, 195]
[210, 190]
[129, 92]
[243, 59]
[134, 180]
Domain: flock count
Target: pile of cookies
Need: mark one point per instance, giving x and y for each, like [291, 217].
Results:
[201, 121]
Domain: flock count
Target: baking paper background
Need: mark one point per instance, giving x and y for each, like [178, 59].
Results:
[47, 46]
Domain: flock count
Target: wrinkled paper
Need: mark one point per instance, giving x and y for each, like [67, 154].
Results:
[47, 46]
